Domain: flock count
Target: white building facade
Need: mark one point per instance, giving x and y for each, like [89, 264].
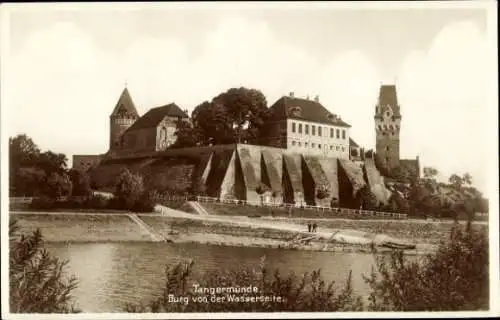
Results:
[317, 138]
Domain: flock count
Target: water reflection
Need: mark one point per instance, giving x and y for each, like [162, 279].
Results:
[111, 274]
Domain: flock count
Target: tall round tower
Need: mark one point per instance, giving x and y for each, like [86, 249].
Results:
[387, 128]
[123, 116]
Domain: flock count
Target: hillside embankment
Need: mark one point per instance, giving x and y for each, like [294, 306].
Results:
[178, 227]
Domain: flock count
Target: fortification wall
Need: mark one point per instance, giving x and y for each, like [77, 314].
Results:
[376, 182]
[236, 171]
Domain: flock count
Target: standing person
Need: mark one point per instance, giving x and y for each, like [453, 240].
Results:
[308, 227]
[314, 227]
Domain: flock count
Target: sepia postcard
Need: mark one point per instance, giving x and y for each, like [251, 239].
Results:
[249, 160]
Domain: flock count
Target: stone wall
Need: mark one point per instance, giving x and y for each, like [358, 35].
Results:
[85, 162]
[236, 171]
[376, 182]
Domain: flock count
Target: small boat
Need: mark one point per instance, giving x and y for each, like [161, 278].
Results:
[400, 246]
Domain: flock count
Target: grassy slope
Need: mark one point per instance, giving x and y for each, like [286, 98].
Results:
[76, 227]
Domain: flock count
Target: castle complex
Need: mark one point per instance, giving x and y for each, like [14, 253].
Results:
[306, 148]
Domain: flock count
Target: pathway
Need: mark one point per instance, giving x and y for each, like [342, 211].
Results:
[198, 208]
[345, 236]
[154, 236]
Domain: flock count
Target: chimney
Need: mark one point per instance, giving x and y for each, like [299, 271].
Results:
[316, 98]
[291, 94]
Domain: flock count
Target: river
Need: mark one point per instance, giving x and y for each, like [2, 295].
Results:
[112, 274]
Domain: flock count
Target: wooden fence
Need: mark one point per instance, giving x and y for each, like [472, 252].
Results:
[394, 215]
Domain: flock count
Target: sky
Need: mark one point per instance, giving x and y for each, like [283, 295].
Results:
[68, 64]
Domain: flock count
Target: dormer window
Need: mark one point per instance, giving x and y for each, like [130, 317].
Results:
[296, 111]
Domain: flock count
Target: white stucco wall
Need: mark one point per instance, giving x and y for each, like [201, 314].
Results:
[300, 141]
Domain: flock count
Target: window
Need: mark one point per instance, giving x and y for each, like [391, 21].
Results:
[319, 146]
[306, 144]
[293, 126]
[306, 129]
[293, 143]
[338, 148]
[319, 131]
[343, 134]
[387, 113]
[331, 147]
[331, 133]
[313, 130]
[338, 134]
[299, 143]
[313, 145]
[300, 127]
[343, 149]
[387, 148]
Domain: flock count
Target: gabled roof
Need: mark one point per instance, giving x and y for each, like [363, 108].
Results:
[352, 143]
[125, 105]
[154, 116]
[388, 97]
[308, 110]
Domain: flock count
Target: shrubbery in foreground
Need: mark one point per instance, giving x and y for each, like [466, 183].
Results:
[306, 293]
[37, 280]
[455, 278]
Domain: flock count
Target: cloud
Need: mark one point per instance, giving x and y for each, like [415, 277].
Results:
[443, 98]
[64, 85]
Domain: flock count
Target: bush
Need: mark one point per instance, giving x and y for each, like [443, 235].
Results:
[146, 202]
[307, 293]
[456, 278]
[37, 280]
[129, 189]
[58, 185]
[81, 183]
[43, 203]
[96, 202]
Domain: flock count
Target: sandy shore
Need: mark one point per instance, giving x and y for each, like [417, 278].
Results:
[243, 232]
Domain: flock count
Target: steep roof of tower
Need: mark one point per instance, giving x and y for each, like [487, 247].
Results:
[388, 97]
[125, 105]
[154, 116]
[303, 109]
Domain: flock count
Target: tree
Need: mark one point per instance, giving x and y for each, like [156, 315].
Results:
[27, 182]
[81, 183]
[38, 283]
[366, 199]
[233, 116]
[211, 121]
[322, 192]
[247, 111]
[467, 179]
[456, 181]
[430, 173]
[129, 189]
[455, 278]
[187, 135]
[58, 185]
[22, 151]
[52, 162]
[261, 189]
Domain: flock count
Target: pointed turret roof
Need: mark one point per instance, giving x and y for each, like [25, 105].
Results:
[388, 97]
[125, 105]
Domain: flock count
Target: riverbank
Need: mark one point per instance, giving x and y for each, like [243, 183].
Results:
[115, 227]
